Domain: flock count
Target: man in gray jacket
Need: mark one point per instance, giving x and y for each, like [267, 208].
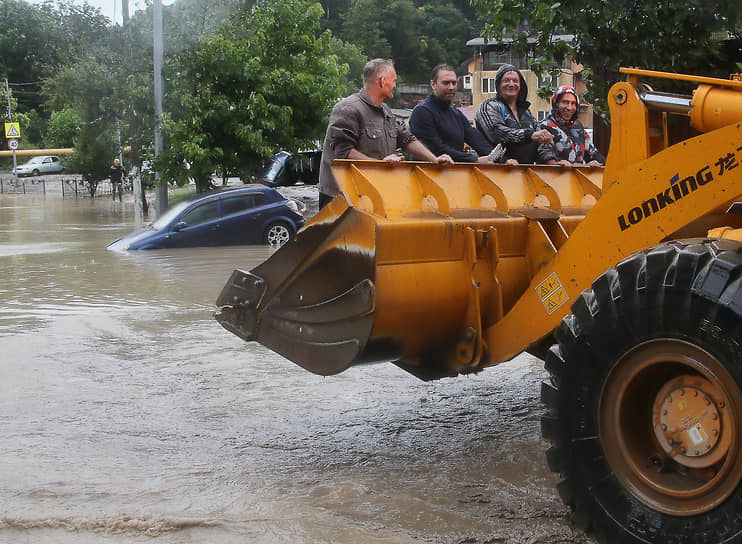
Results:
[362, 127]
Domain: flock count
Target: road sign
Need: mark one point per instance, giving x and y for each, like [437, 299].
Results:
[12, 130]
[13, 144]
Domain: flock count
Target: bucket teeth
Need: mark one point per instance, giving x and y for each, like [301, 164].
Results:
[313, 301]
[324, 337]
[238, 302]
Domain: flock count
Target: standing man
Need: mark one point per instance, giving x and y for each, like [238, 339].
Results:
[443, 128]
[571, 145]
[362, 127]
[116, 175]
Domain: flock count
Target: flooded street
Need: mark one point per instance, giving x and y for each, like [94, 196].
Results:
[129, 415]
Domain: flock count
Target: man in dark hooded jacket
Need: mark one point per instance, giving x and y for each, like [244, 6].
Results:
[571, 145]
[506, 119]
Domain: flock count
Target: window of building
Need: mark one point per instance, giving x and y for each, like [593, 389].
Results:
[545, 81]
[488, 85]
[495, 58]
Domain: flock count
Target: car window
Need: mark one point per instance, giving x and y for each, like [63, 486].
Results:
[201, 214]
[272, 169]
[235, 204]
[55, 159]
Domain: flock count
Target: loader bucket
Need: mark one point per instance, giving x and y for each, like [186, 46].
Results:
[408, 264]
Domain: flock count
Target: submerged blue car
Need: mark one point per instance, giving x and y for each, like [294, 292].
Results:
[253, 214]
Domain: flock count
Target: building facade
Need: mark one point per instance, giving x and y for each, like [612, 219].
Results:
[482, 68]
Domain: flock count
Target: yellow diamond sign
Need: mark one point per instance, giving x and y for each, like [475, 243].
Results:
[12, 130]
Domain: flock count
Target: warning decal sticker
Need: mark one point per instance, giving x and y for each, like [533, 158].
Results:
[551, 293]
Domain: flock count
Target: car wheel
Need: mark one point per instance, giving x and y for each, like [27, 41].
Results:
[36, 173]
[645, 398]
[277, 234]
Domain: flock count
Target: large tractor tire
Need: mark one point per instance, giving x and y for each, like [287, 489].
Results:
[645, 398]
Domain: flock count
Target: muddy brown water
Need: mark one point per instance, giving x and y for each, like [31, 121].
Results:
[127, 414]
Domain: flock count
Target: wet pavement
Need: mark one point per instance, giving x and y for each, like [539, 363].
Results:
[129, 415]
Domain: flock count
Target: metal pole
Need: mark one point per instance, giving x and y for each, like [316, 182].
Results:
[10, 119]
[158, 57]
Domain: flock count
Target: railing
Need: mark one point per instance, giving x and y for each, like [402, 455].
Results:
[64, 185]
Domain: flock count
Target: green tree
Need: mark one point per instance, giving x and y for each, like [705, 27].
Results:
[361, 27]
[93, 90]
[352, 56]
[670, 35]
[445, 33]
[403, 25]
[264, 82]
[37, 41]
[62, 128]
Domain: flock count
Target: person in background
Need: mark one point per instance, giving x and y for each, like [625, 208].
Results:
[362, 127]
[506, 118]
[571, 143]
[443, 128]
[116, 175]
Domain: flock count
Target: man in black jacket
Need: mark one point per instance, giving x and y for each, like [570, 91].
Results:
[116, 175]
[443, 128]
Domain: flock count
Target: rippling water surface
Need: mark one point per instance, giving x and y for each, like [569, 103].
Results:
[129, 415]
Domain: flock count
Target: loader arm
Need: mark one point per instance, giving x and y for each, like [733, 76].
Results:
[447, 269]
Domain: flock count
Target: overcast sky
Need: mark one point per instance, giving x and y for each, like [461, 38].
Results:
[112, 8]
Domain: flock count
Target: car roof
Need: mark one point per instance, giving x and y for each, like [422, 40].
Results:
[251, 188]
[41, 157]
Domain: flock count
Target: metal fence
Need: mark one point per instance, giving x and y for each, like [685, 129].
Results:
[67, 186]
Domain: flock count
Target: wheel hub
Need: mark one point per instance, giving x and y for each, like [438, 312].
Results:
[687, 421]
[670, 427]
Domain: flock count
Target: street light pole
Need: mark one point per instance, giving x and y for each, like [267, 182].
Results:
[158, 56]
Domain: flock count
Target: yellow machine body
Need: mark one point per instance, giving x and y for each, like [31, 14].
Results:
[447, 269]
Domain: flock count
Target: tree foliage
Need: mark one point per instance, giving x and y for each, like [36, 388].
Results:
[669, 35]
[417, 36]
[262, 83]
[37, 41]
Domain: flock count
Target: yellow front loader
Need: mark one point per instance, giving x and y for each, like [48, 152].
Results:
[633, 272]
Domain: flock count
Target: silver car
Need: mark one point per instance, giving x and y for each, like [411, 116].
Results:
[43, 164]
